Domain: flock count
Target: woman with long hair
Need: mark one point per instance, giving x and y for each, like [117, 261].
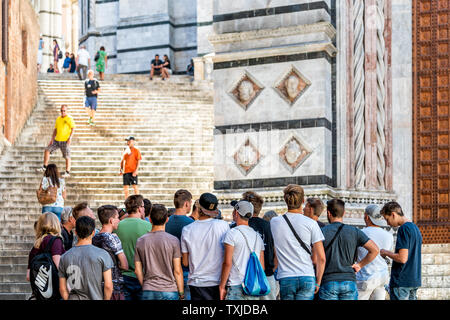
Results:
[55, 55]
[47, 226]
[52, 179]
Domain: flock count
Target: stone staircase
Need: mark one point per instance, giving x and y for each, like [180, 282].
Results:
[172, 122]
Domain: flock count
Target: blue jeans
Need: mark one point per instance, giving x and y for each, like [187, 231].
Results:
[237, 293]
[159, 295]
[403, 293]
[338, 290]
[132, 289]
[187, 292]
[297, 288]
[55, 210]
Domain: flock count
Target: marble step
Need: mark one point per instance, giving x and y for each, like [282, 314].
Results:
[15, 296]
[433, 293]
[15, 287]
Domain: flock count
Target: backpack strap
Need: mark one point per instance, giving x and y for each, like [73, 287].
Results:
[334, 238]
[296, 235]
[48, 248]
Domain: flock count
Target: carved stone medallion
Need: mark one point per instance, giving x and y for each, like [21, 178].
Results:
[247, 157]
[294, 153]
[245, 90]
[292, 85]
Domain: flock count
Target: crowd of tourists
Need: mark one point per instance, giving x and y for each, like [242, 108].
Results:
[143, 253]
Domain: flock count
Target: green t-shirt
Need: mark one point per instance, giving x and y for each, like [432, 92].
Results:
[129, 230]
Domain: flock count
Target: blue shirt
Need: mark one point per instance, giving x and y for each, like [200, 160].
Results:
[175, 225]
[408, 274]
[67, 62]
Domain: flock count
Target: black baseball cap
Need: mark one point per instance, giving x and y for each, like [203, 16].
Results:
[130, 138]
[208, 203]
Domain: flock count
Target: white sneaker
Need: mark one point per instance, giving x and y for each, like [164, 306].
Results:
[40, 169]
[65, 175]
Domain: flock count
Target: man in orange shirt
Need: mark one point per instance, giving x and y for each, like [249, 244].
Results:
[129, 166]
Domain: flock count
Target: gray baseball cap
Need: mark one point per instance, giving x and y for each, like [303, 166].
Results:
[373, 211]
[244, 208]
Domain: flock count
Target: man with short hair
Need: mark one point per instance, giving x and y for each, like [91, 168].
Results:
[239, 243]
[84, 267]
[297, 239]
[67, 226]
[81, 210]
[158, 260]
[129, 166]
[182, 200]
[262, 227]
[341, 244]
[107, 240]
[194, 215]
[148, 208]
[61, 139]
[91, 89]
[202, 250]
[406, 271]
[313, 209]
[156, 66]
[83, 61]
[371, 279]
[129, 230]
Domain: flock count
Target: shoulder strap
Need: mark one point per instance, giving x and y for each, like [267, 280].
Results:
[246, 241]
[296, 235]
[48, 248]
[334, 238]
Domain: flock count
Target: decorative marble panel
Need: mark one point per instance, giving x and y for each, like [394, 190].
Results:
[245, 90]
[294, 153]
[247, 157]
[292, 85]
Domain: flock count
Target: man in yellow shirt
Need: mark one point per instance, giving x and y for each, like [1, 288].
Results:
[61, 139]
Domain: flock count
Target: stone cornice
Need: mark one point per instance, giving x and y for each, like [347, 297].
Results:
[324, 27]
[328, 47]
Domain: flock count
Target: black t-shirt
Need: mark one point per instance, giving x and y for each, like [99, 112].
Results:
[168, 65]
[91, 85]
[340, 255]
[157, 62]
[263, 228]
[67, 238]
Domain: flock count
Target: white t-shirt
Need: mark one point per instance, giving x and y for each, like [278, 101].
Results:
[293, 260]
[378, 267]
[83, 57]
[203, 240]
[241, 252]
[46, 182]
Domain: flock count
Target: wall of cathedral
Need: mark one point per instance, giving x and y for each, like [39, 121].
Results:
[134, 31]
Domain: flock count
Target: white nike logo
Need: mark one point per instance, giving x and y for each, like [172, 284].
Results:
[41, 279]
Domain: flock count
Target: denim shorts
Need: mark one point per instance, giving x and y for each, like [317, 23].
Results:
[338, 290]
[237, 293]
[91, 102]
[55, 210]
[131, 288]
[159, 295]
[297, 288]
[403, 293]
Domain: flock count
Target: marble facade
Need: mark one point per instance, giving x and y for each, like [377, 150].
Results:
[133, 31]
[58, 19]
[343, 129]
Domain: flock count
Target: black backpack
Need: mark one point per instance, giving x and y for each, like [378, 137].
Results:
[44, 278]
